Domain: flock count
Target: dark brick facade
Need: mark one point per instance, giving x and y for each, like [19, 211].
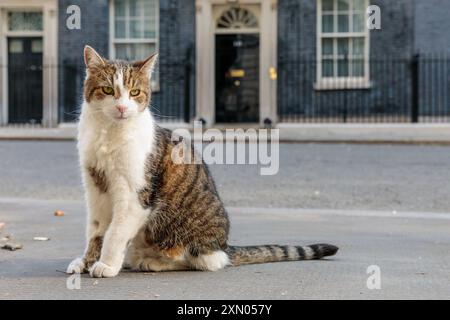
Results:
[407, 26]
[94, 32]
[175, 101]
[390, 88]
[432, 24]
[432, 42]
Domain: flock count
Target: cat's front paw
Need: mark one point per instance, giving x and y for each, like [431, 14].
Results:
[102, 270]
[77, 266]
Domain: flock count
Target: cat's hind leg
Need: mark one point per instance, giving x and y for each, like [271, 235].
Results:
[141, 257]
[157, 265]
[213, 261]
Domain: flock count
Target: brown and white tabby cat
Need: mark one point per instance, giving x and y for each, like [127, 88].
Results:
[144, 211]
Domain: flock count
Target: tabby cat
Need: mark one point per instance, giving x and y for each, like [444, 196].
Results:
[146, 212]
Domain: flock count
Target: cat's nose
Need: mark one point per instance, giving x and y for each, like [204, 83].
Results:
[121, 108]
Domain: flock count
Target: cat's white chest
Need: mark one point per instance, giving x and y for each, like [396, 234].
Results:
[118, 152]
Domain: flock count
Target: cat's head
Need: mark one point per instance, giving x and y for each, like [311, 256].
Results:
[119, 90]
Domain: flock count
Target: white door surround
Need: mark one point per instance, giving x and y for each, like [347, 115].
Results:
[207, 14]
[49, 34]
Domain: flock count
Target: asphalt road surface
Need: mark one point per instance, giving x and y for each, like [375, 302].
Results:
[385, 206]
[411, 251]
[324, 176]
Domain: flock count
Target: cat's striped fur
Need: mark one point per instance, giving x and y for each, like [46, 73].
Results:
[191, 215]
[145, 211]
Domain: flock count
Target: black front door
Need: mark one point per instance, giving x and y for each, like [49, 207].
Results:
[237, 78]
[25, 80]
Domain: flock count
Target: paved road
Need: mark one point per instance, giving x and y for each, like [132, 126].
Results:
[331, 176]
[384, 205]
[411, 250]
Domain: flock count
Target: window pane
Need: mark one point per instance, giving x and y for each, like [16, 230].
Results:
[327, 68]
[327, 5]
[134, 51]
[358, 22]
[358, 68]
[25, 21]
[119, 29]
[135, 29]
[327, 46]
[150, 8]
[359, 5]
[136, 7]
[327, 23]
[343, 23]
[343, 4]
[15, 46]
[119, 8]
[343, 46]
[36, 46]
[122, 51]
[142, 51]
[358, 46]
[149, 28]
[342, 68]
[135, 19]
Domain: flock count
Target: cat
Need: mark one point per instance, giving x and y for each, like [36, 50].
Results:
[146, 212]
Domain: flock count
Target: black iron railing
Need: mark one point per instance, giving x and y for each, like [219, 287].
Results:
[397, 90]
[411, 89]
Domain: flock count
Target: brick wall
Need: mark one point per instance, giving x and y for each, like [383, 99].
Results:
[432, 26]
[94, 32]
[176, 48]
[390, 89]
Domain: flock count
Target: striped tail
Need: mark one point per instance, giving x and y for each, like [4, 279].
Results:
[274, 253]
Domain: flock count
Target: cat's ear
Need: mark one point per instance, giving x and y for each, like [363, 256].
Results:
[92, 58]
[148, 65]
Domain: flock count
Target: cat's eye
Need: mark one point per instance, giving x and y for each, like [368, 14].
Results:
[108, 90]
[135, 92]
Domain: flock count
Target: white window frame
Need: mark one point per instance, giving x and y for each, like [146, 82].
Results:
[113, 41]
[335, 82]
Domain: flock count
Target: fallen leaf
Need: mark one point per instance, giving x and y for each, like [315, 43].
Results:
[12, 246]
[5, 238]
[41, 239]
[59, 213]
